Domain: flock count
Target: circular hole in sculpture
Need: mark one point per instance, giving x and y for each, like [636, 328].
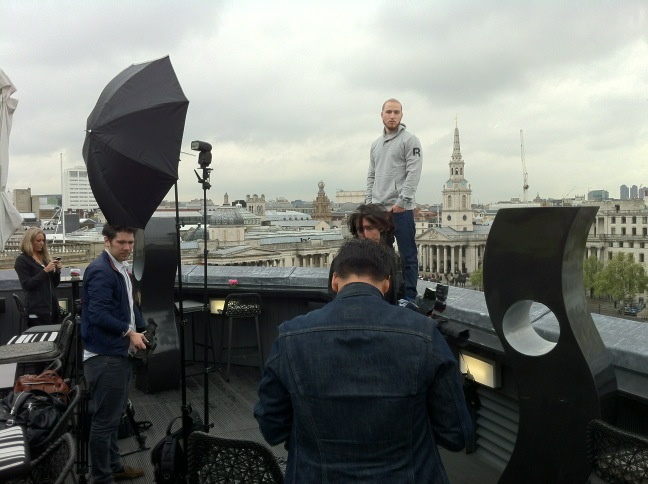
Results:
[519, 330]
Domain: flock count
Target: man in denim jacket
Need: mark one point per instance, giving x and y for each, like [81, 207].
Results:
[362, 390]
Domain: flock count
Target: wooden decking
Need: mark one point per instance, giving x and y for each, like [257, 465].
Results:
[230, 410]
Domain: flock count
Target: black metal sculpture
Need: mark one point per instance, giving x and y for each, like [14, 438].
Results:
[536, 255]
[154, 267]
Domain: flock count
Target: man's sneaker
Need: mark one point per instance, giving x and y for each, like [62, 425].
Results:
[128, 472]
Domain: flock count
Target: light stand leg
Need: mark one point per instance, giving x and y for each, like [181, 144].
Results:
[141, 439]
[81, 441]
[185, 409]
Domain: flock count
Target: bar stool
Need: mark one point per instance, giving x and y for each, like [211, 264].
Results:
[24, 318]
[242, 306]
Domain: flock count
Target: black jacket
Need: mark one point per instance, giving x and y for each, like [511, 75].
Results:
[39, 286]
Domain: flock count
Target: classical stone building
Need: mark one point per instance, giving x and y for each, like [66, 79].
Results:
[236, 237]
[299, 253]
[457, 245]
[226, 225]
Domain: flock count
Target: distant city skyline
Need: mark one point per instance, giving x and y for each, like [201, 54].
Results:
[219, 198]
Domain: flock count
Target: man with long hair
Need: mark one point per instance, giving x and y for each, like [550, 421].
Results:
[373, 222]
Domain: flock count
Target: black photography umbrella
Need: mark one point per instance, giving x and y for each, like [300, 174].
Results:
[132, 144]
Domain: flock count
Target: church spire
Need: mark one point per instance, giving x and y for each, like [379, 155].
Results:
[456, 151]
[457, 207]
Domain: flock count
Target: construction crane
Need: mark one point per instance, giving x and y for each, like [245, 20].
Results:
[525, 175]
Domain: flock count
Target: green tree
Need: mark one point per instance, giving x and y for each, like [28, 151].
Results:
[592, 268]
[477, 278]
[622, 278]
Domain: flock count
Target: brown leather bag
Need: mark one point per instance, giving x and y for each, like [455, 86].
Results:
[49, 381]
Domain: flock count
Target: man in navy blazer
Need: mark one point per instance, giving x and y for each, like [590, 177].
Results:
[110, 325]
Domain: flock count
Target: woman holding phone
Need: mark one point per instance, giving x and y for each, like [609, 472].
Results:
[39, 275]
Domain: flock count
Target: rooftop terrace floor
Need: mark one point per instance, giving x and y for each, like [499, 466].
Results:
[230, 410]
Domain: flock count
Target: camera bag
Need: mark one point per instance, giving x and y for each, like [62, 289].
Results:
[168, 456]
[36, 411]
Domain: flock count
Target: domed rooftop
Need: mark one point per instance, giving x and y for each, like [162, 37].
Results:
[226, 216]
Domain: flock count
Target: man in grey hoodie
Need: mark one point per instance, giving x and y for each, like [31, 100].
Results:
[394, 172]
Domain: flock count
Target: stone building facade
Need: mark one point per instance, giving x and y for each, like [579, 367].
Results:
[619, 226]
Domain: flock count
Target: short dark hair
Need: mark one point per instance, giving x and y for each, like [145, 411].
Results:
[362, 257]
[110, 231]
[378, 216]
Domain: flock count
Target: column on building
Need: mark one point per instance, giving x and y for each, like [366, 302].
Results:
[421, 252]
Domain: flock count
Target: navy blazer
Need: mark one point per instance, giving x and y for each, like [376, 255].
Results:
[105, 314]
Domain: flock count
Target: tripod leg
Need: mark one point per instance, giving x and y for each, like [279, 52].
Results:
[81, 440]
[141, 439]
[83, 421]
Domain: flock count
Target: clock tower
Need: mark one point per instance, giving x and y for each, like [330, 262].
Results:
[457, 213]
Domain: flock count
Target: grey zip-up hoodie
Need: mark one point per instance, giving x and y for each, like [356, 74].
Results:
[395, 163]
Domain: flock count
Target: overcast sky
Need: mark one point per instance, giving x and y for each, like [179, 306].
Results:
[289, 93]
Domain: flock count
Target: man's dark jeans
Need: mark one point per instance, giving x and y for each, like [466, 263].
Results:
[108, 378]
[405, 233]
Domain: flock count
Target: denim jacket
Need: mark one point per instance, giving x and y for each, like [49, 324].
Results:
[362, 391]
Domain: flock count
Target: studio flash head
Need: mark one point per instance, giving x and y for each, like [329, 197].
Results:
[205, 157]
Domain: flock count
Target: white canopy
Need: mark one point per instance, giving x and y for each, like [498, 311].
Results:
[10, 218]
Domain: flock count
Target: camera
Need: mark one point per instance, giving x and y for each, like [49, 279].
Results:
[150, 341]
[434, 299]
[205, 156]
[431, 304]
